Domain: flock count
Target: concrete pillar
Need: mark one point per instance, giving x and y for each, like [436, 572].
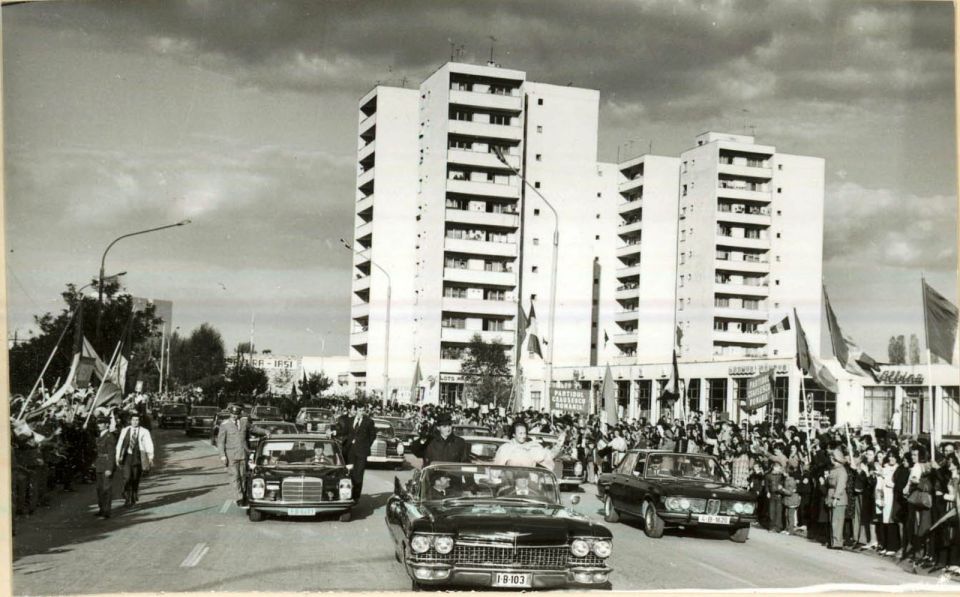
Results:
[792, 416]
[731, 404]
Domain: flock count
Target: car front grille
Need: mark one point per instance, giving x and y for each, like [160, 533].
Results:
[302, 489]
[481, 555]
[379, 448]
[569, 469]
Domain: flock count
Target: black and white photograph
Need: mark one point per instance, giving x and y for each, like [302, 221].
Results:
[490, 295]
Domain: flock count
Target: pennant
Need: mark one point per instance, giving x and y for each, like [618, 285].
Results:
[606, 337]
[609, 393]
[940, 323]
[783, 326]
[533, 340]
[810, 365]
[679, 338]
[847, 352]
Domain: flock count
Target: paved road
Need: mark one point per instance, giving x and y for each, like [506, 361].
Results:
[187, 535]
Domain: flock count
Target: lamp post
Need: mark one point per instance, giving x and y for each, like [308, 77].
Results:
[103, 261]
[386, 335]
[553, 272]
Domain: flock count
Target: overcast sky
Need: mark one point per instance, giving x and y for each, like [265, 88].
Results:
[242, 117]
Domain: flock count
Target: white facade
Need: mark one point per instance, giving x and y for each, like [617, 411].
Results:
[336, 368]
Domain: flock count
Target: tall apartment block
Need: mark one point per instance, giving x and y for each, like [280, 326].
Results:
[750, 247]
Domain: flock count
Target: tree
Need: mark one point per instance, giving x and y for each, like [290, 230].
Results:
[897, 351]
[245, 379]
[198, 357]
[314, 384]
[244, 348]
[914, 350]
[119, 320]
[486, 371]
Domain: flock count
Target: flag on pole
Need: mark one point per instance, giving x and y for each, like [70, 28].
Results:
[522, 324]
[415, 386]
[850, 356]
[782, 326]
[533, 340]
[609, 393]
[809, 364]
[940, 323]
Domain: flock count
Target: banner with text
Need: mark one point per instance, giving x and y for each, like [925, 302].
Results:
[759, 392]
[571, 400]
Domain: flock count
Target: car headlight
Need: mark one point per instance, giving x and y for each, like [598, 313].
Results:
[579, 548]
[258, 488]
[578, 469]
[749, 507]
[420, 543]
[672, 503]
[443, 544]
[602, 549]
[400, 448]
[738, 507]
[346, 489]
[685, 503]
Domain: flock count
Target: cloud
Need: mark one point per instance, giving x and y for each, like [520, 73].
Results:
[877, 227]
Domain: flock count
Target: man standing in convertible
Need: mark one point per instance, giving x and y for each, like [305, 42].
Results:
[523, 451]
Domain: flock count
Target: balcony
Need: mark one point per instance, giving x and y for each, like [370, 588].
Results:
[367, 150]
[630, 185]
[489, 189]
[361, 257]
[480, 277]
[360, 310]
[627, 229]
[479, 306]
[358, 366]
[622, 316]
[367, 123]
[480, 247]
[464, 336]
[758, 267]
[450, 365]
[743, 242]
[740, 313]
[626, 293]
[624, 359]
[741, 289]
[365, 178]
[736, 337]
[744, 170]
[365, 204]
[630, 271]
[745, 193]
[628, 207]
[628, 250]
[482, 218]
[743, 218]
[489, 101]
[481, 159]
[358, 339]
[363, 230]
[484, 129]
[625, 338]
[361, 284]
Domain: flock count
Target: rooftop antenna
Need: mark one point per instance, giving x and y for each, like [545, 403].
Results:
[453, 48]
[493, 41]
[403, 81]
[461, 50]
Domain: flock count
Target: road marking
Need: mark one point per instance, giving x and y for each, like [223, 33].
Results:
[196, 554]
[727, 574]
[225, 506]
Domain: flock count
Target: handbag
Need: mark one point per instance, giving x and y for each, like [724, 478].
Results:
[920, 499]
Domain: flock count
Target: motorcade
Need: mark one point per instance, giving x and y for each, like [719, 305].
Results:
[172, 414]
[666, 489]
[265, 412]
[387, 447]
[404, 430]
[298, 475]
[475, 430]
[482, 448]
[492, 526]
[200, 419]
[316, 420]
[570, 470]
[261, 429]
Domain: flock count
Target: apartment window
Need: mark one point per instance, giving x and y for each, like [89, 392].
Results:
[777, 258]
[776, 282]
[681, 281]
[457, 323]
[501, 119]
[495, 295]
[539, 101]
[683, 258]
[778, 235]
[597, 237]
[536, 184]
[539, 157]
[721, 302]
[539, 128]
[460, 144]
[752, 304]
[536, 212]
[599, 195]
[751, 233]
[461, 115]
[535, 269]
[455, 263]
[684, 193]
[778, 212]
[779, 166]
[719, 326]
[533, 297]
[454, 292]
[536, 241]
[779, 190]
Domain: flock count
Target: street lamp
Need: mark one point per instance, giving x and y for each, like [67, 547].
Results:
[386, 335]
[103, 261]
[553, 271]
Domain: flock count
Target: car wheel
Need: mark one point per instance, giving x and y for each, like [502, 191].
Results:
[652, 524]
[415, 586]
[254, 515]
[610, 513]
[346, 516]
[740, 535]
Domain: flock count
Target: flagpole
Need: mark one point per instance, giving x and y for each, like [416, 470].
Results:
[106, 375]
[23, 409]
[926, 342]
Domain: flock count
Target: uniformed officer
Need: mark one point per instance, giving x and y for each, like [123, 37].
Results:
[232, 446]
[444, 446]
[105, 464]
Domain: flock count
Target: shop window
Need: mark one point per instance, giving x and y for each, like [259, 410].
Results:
[717, 395]
[878, 405]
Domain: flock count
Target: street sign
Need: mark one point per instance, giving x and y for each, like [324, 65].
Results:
[571, 400]
[759, 392]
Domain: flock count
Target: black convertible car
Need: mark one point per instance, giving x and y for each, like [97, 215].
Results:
[494, 526]
[678, 490]
[298, 475]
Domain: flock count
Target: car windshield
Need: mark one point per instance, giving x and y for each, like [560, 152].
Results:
[401, 424]
[276, 428]
[384, 429]
[266, 411]
[313, 415]
[299, 452]
[175, 409]
[203, 411]
[486, 450]
[474, 482]
[468, 430]
[686, 466]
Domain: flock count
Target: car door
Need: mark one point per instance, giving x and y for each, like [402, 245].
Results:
[637, 486]
[618, 481]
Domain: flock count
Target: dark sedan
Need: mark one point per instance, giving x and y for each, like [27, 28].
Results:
[263, 412]
[261, 429]
[494, 526]
[667, 489]
[298, 475]
[172, 415]
[569, 469]
[316, 420]
[200, 419]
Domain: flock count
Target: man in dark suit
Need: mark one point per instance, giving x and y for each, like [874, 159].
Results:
[232, 446]
[105, 464]
[361, 433]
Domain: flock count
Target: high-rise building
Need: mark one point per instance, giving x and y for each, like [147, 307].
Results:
[750, 247]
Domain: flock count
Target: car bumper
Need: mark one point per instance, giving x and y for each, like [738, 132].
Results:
[398, 459]
[452, 575]
[687, 519]
[284, 508]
